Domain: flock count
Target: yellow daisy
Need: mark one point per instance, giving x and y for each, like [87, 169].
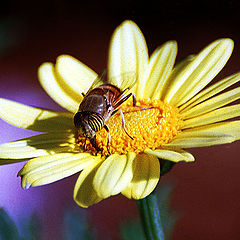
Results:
[181, 111]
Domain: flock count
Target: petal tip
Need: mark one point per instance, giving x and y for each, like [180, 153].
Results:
[44, 68]
[128, 22]
[227, 43]
[65, 57]
[27, 186]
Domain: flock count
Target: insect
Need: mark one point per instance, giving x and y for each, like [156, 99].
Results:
[103, 100]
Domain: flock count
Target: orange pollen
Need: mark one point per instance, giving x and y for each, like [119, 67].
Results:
[154, 124]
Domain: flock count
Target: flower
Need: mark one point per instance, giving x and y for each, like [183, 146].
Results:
[178, 110]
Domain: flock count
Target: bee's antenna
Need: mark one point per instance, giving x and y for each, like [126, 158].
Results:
[103, 74]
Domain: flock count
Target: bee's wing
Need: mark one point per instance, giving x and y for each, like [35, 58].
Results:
[124, 81]
[127, 82]
[100, 80]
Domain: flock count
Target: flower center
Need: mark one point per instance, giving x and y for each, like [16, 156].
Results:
[151, 125]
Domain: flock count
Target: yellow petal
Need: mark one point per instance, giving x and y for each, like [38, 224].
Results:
[228, 128]
[205, 66]
[175, 155]
[145, 178]
[159, 69]
[128, 53]
[44, 170]
[74, 77]
[49, 82]
[178, 69]
[36, 119]
[204, 141]
[40, 145]
[212, 134]
[212, 103]
[10, 161]
[114, 175]
[210, 91]
[213, 116]
[84, 193]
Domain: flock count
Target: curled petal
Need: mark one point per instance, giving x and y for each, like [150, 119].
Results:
[175, 155]
[84, 193]
[44, 170]
[145, 178]
[114, 175]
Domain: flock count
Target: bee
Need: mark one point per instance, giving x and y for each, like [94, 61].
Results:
[103, 100]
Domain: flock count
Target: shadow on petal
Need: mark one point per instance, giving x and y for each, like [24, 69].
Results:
[84, 193]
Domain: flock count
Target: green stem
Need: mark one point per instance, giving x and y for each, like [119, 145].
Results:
[149, 212]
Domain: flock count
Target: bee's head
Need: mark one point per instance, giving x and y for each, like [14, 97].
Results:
[82, 125]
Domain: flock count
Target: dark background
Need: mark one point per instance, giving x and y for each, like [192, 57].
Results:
[206, 193]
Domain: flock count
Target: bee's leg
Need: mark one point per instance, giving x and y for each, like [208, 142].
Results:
[109, 138]
[121, 101]
[123, 123]
[94, 143]
[83, 94]
[135, 101]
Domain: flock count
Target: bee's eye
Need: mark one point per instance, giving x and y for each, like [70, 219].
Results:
[77, 119]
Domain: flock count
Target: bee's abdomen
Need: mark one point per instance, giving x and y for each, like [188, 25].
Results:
[96, 122]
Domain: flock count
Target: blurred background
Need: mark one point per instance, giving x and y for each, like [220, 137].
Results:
[206, 193]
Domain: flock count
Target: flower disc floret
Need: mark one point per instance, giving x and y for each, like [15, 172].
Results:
[151, 124]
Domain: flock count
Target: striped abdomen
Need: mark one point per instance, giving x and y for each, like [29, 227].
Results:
[95, 121]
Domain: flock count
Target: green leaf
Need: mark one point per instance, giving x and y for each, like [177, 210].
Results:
[8, 230]
[132, 231]
[32, 228]
[76, 226]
